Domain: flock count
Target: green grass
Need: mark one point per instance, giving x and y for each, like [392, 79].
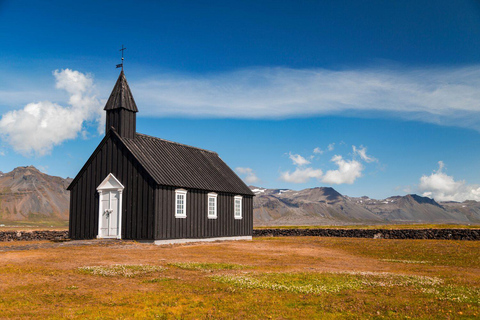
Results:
[157, 280]
[278, 278]
[63, 225]
[388, 226]
[207, 266]
[122, 270]
[329, 283]
[432, 252]
[33, 225]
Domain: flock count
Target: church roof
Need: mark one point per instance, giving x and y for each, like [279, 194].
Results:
[174, 164]
[121, 96]
[169, 163]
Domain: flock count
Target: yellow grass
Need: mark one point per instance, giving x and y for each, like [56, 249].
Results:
[278, 278]
[33, 225]
[63, 225]
[380, 226]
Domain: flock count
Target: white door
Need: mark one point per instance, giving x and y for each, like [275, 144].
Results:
[109, 214]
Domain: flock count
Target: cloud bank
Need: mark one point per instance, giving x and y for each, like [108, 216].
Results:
[298, 160]
[443, 187]
[446, 96]
[301, 175]
[346, 173]
[40, 126]
[318, 150]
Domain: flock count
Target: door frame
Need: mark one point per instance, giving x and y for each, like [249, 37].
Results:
[110, 183]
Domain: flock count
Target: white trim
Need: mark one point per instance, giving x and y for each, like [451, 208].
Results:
[107, 186]
[99, 212]
[120, 194]
[212, 195]
[104, 184]
[174, 241]
[184, 193]
[234, 207]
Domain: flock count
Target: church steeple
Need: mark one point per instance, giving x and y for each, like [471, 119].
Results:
[121, 109]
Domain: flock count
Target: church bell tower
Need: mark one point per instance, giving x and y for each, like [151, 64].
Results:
[121, 109]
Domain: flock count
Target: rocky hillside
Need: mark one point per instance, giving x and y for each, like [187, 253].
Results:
[325, 206]
[28, 194]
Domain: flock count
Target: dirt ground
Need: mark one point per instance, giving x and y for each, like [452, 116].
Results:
[42, 279]
[283, 253]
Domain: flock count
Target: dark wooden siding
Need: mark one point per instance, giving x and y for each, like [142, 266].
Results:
[123, 121]
[137, 199]
[197, 224]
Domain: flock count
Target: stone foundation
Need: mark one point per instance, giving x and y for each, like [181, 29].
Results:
[438, 234]
[33, 235]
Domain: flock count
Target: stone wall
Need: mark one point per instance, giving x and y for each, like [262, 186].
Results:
[440, 234]
[33, 235]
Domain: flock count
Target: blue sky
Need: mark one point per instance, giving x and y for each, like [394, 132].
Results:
[373, 98]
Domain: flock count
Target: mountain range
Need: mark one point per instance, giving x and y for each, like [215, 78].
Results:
[325, 206]
[27, 194]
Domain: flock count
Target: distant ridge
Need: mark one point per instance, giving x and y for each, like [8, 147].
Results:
[26, 194]
[326, 206]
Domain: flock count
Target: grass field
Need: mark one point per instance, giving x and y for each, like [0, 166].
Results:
[267, 278]
[386, 226]
[33, 225]
[63, 225]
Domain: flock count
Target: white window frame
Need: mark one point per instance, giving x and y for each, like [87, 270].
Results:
[240, 213]
[181, 192]
[212, 195]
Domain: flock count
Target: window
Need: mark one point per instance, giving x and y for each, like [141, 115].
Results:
[238, 207]
[180, 203]
[212, 206]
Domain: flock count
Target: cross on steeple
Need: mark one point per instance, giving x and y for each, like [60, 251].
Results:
[121, 64]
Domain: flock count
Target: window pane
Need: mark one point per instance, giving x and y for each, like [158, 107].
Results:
[180, 204]
[212, 203]
[238, 208]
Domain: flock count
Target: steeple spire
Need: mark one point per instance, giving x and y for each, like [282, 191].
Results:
[121, 109]
[121, 96]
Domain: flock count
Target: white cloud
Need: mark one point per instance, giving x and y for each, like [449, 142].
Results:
[348, 171]
[40, 126]
[330, 147]
[250, 176]
[298, 160]
[362, 152]
[442, 95]
[301, 175]
[443, 187]
[447, 96]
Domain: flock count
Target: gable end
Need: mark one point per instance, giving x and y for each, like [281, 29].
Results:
[111, 134]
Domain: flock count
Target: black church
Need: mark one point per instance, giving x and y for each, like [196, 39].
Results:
[139, 187]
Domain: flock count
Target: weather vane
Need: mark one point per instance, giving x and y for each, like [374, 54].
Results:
[121, 64]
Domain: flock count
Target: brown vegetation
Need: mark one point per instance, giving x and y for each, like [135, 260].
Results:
[279, 278]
